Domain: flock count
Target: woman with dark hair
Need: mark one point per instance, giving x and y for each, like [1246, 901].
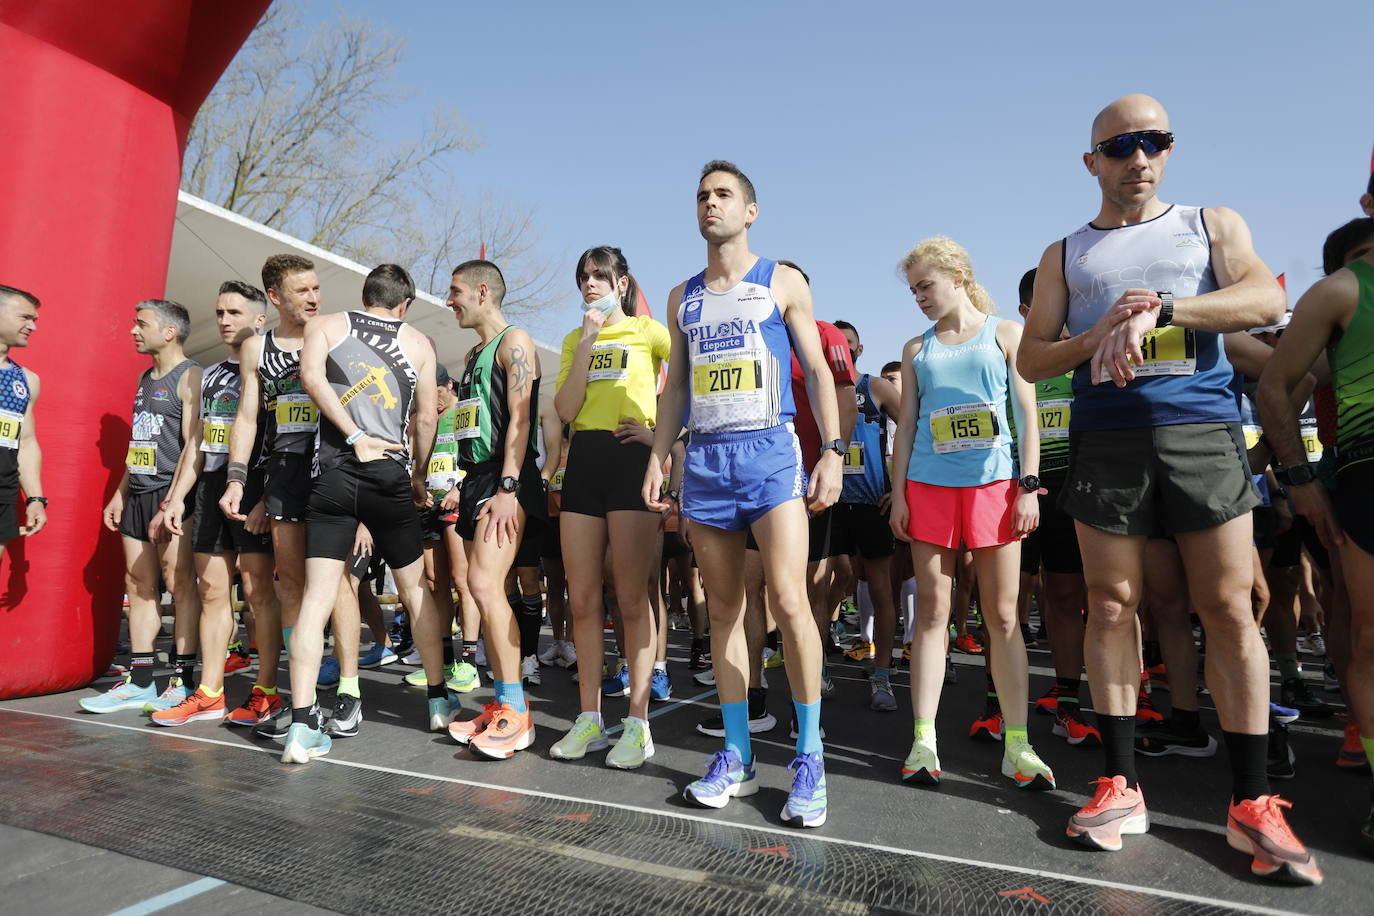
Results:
[607, 394]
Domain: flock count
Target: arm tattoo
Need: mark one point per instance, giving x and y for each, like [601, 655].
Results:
[519, 370]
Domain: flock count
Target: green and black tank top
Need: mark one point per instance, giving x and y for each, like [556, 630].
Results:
[483, 412]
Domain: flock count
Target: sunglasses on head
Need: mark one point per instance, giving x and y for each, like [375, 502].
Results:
[1124, 145]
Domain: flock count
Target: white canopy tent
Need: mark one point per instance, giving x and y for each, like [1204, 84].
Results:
[211, 245]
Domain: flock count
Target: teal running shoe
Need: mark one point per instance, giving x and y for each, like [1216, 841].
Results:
[120, 697]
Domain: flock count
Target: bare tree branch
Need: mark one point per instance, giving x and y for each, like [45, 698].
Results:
[288, 138]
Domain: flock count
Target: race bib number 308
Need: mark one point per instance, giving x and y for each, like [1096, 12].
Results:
[467, 419]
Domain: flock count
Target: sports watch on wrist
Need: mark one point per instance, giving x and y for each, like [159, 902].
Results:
[37, 499]
[1166, 309]
[834, 445]
[1030, 483]
[1296, 476]
[509, 484]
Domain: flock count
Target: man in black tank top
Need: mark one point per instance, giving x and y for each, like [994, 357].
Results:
[363, 369]
[165, 405]
[221, 545]
[21, 461]
[293, 288]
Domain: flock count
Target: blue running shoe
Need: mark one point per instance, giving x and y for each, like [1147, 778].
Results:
[1284, 714]
[726, 776]
[806, 802]
[378, 656]
[661, 688]
[174, 695]
[618, 685]
[304, 742]
[121, 696]
[329, 672]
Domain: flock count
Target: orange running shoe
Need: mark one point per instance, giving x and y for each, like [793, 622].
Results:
[195, 707]
[237, 659]
[1145, 712]
[988, 726]
[258, 708]
[1260, 828]
[1114, 811]
[1069, 724]
[1352, 755]
[1049, 703]
[465, 730]
[507, 732]
[861, 651]
[969, 643]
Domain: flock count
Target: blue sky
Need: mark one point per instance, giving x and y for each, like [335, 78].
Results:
[869, 126]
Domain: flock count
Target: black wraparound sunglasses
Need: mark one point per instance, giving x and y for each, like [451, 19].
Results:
[1124, 145]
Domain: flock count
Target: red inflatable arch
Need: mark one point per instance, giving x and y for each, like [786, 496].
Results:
[97, 99]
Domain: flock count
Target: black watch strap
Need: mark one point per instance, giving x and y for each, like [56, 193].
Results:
[1166, 309]
[1296, 476]
[37, 499]
[836, 446]
[509, 484]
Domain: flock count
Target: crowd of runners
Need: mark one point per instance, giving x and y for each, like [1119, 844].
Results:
[1161, 441]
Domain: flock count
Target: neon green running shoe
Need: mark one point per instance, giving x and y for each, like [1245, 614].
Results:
[635, 746]
[459, 676]
[585, 735]
[1023, 766]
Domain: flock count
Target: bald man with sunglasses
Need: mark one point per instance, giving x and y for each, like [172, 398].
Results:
[1147, 289]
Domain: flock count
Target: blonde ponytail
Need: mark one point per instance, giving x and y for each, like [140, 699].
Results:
[948, 256]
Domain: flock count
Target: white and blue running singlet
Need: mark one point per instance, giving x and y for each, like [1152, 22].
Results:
[1185, 376]
[738, 351]
[865, 464]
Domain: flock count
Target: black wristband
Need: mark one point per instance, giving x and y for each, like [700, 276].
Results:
[236, 473]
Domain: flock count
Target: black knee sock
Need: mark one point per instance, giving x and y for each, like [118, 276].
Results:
[448, 650]
[1186, 720]
[771, 640]
[993, 701]
[184, 667]
[1150, 653]
[1068, 689]
[1249, 756]
[1118, 743]
[141, 668]
[530, 612]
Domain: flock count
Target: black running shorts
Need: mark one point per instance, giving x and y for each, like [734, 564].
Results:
[860, 528]
[139, 509]
[481, 484]
[1054, 544]
[212, 531]
[288, 486]
[604, 474]
[1175, 479]
[374, 493]
[9, 522]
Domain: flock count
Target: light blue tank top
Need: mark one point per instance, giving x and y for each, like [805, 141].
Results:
[1186, 377]
[962, 436]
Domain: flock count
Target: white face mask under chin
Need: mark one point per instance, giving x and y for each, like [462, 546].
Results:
[606, 304]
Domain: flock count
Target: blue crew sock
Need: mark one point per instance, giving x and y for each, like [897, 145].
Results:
[808, 727]
[736, 717]
[880, 672]
[512, 694]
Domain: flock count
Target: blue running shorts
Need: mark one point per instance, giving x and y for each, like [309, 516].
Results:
[730, 480]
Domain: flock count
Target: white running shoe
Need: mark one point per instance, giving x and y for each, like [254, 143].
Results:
[529, 671]
[481, 653]
[567, 654]
[550, 655]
